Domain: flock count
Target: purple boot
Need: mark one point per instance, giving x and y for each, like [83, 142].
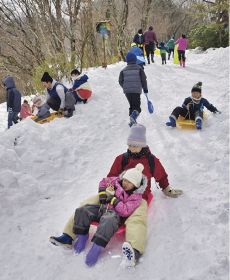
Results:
[79, 246]
[93, 254]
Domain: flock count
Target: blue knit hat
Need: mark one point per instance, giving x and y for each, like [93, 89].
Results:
[131, 58]
[137, 136]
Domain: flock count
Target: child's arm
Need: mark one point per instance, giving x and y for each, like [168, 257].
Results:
[121, 79]
[125, 209]
[209, 106]
[143, 81]
[186, 103]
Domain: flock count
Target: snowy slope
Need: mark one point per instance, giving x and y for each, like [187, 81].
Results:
[54, 166]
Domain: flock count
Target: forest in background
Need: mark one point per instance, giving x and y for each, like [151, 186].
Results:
[59, 35]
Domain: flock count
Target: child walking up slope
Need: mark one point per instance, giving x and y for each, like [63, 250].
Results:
[133, 79]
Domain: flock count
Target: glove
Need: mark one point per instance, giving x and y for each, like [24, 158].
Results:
[146, 91]
[102, 197]
[113, 200]
[172, 192]
[10, 110]
[61, 112]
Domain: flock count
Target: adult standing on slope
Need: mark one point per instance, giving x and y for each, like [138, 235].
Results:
[57, 97]
[136, 224]
[150, 40]
[182, 46]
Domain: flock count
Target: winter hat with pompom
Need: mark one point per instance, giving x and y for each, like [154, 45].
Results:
[134, 175]
[197, 87]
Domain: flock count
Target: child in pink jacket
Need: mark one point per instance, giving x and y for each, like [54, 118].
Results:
[25, 110]
[118, 198]
[182, 46]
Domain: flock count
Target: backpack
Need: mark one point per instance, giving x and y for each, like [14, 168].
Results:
[125, 160]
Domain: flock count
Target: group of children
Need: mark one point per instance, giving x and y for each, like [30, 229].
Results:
[122, 196]
[58, 98]
[133, 80]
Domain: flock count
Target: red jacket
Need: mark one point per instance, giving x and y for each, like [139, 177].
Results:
[159, 172]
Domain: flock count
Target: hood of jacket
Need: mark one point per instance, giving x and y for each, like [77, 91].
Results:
[9, 82]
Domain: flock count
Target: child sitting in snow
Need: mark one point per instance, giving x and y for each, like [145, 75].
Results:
[43, 108]
[118, 198]
[192, 108]
[81, 88]
[163, 50]
[25, 110]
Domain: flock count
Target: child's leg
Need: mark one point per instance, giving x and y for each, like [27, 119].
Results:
[68, 229]
[83, 218]
[134, 100]
[109, 224]
[178, 111]
[198, 119]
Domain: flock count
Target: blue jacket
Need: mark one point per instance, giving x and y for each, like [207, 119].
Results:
[78, 82]
[13, 96]
[139, 55]
[190, 105]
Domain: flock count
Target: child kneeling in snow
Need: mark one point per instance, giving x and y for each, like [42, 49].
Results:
[81, 88]
[192, 108]
[118, 198]
[43, 108]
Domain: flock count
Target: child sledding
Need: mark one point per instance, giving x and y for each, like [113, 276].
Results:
[118, 198]
[192, 108]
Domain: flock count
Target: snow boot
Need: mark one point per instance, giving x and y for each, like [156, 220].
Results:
[79, 246]
[64, 240]
[93, 254]
[199, 123]
[172, 121]
[133, 117]
[129, 259]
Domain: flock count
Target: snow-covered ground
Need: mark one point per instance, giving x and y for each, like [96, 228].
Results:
[47, 170]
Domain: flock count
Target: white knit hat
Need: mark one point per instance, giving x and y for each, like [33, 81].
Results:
[137, 136]
[38, 101]
[134, 175]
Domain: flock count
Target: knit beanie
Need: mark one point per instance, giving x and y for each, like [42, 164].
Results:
[37, 101]
[137, 136]
[131, 58]
[197, 87]
[134, 175]
[46, 78]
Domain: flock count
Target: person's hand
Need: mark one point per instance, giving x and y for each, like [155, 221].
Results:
[61, 112]
[102, 197]
[217, 111]
[172, 192]
[146, 91]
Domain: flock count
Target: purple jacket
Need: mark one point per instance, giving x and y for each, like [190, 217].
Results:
[127, 203]
[182, 44]
[150, 36]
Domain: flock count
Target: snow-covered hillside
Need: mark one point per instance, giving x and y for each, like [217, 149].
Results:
[47, 170]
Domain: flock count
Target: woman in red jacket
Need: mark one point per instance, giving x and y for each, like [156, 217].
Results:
[136, 224]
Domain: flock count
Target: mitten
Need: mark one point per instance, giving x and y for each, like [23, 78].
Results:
[146, 91]
[172, 192]
[102, 197]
